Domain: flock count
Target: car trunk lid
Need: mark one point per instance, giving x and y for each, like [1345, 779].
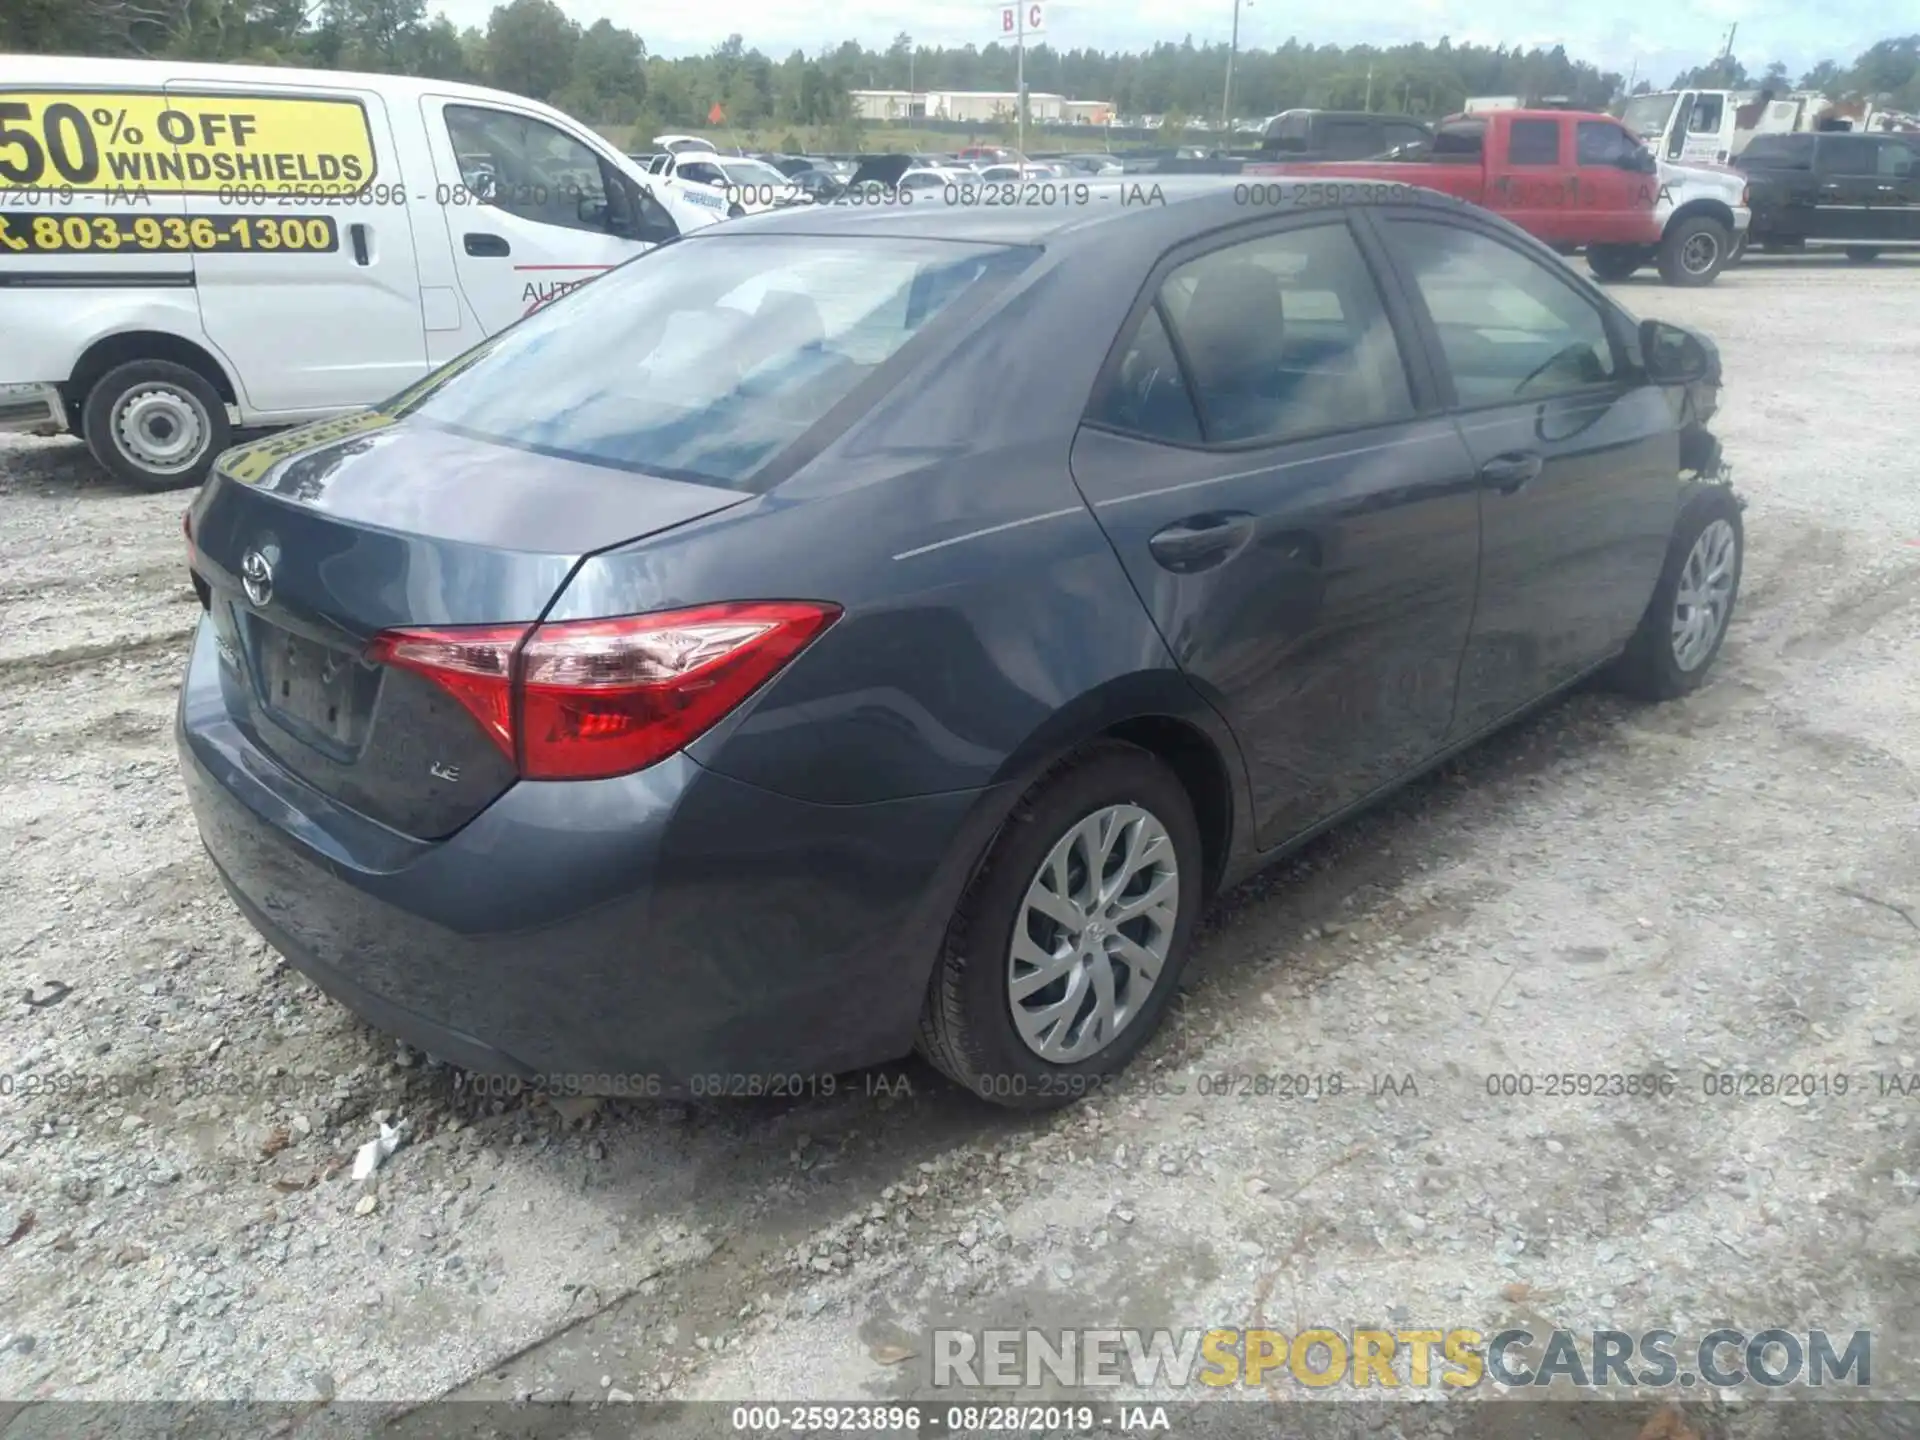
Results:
[311, 544]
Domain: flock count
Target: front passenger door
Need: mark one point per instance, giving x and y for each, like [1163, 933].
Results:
[1303, 535]
[531, 212]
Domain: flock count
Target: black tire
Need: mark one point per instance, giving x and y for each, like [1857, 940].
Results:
[1863, 254]
[110, 424]
[1648, 669]
[967, 1029]
[1685, 257]
[734, 212]
[1614, 262]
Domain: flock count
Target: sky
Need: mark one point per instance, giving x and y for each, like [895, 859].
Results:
[1661, 37]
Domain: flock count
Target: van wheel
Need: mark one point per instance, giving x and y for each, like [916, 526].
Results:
[1067, 948]
[1694, 251]
[1863, 254]
[1614, 262]
[1686, 621]
[155, 424]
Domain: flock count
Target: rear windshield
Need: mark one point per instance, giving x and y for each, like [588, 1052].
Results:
[707, 358]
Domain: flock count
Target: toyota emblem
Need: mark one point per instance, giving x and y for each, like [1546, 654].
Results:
[256, 576]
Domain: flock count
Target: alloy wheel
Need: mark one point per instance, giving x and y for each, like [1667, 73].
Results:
[1705, 594]
[1092, 935]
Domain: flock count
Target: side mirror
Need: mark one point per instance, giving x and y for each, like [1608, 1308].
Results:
[1672, 354]
[1640, 162]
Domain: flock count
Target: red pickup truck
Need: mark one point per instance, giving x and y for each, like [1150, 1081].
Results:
[1571, 178]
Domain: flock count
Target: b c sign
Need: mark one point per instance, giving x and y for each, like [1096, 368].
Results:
[1029, 16]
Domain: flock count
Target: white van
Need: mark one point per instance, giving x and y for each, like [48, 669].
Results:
[187, 248]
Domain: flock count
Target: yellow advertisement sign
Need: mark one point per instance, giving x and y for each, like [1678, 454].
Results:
[177, 144]
[250, 464]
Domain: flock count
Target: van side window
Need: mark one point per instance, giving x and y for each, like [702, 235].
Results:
[529, 168]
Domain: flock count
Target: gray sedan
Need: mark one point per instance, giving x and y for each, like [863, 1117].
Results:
[861, 628]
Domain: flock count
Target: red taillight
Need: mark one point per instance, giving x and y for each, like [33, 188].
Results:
[473, 664]
[587, 699]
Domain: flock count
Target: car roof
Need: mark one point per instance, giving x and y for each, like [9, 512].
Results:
[1159, 210]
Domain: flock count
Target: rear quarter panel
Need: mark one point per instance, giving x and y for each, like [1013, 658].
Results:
[46, 330]
[988, 624]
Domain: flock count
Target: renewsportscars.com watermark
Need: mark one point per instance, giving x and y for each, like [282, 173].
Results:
[1161, 1360]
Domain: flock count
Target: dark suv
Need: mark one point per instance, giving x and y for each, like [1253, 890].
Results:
[1339, 135]
[1836, 188]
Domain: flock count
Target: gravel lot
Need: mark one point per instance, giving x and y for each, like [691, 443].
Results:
[1732, 883]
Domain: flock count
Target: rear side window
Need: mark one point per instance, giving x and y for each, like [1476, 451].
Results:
[1280, 337]
[1148, 395]
[1533, 142]
[1394, 134]
[1349, 139]
[1290, 131]
[1779, 152]
[1896, 158]
[1847, 155]
[707, 359]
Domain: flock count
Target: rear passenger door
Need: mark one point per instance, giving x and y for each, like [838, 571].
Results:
[1577, 455]
[1263, 453]
[1867, 189]
[1531, 189]
[1845, 172]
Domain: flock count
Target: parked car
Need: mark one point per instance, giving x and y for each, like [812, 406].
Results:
[1858, 192]
[817, 186]
[1304, 135]
[733, 184]
[788, 165]
[1014, 174]
[1572, 178]
[717, 679]
[270, 267]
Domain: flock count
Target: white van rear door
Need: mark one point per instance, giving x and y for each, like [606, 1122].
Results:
[308, 283]
[531, 210]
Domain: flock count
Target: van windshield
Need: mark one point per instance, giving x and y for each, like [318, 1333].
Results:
[707, 358]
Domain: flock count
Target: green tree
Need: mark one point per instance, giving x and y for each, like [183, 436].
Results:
[375, 34]
[531, 46]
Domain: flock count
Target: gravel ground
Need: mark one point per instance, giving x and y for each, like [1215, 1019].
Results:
[1732, 883]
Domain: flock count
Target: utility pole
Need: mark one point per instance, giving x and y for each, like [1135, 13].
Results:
[1726, 54]
[1226, 96]
[1368, 105]
[1020, 85]
[909, 88]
